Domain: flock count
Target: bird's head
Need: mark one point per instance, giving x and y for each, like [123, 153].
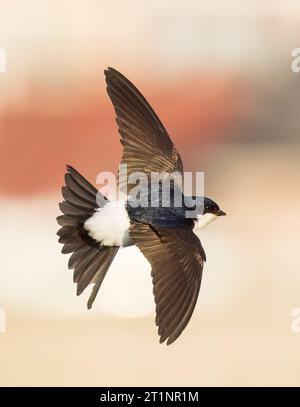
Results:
[211, 207]
[207, 211]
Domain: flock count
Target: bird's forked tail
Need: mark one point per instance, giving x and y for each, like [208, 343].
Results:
[90, 260]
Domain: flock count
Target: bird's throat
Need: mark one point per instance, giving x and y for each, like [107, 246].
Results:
[203, 220]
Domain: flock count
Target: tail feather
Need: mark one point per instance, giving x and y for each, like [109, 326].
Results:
[81, 181]
[79, 190]
[89, 259]
[74, 199]
[82, 266]
[72, 210]
[76, 257]
[99, 277]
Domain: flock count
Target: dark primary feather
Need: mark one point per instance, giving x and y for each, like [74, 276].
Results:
[177, 260]
[89, 260]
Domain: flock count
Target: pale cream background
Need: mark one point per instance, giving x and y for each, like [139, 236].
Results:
[243, 132]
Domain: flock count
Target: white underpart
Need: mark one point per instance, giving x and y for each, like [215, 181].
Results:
[203, 220]
[109, 225]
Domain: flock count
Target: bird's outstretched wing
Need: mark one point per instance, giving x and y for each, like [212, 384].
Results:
[147, 145]
[177, 260]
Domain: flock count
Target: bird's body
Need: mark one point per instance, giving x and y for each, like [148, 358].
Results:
[93, 229]
[110, 224]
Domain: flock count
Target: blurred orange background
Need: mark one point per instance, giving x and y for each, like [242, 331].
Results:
[219, 76]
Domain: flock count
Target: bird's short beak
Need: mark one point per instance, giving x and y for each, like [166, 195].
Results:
[221, 213]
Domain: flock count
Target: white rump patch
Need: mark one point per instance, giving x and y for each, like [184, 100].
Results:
[109, 225]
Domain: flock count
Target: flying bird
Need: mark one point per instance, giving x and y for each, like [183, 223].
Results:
[93, 229]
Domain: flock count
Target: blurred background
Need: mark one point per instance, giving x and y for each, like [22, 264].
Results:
[219, 75]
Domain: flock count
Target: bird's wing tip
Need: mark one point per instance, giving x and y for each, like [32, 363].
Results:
[109, 70]
[162, 339]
